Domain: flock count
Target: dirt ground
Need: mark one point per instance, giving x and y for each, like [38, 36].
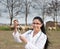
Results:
[7, 41]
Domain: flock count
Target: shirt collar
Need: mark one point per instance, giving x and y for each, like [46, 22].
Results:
[38, 34]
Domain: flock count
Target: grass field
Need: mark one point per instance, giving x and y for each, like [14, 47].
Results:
[7, 41]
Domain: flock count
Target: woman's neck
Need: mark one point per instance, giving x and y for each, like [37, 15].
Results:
[35, 32]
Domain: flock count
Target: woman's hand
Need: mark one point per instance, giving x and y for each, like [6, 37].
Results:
[23, 39]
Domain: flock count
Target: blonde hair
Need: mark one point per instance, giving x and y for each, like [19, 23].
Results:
[15, 20]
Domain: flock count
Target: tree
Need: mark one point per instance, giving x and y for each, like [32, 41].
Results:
[26, 10]
[54, 7]
[27, 5]
[40, 5]
[13, 7]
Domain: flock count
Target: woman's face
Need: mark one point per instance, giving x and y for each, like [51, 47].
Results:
[36, 25]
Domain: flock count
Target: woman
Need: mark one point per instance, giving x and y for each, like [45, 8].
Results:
[33, 39]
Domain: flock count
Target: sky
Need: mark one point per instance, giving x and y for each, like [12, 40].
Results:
[4, 18]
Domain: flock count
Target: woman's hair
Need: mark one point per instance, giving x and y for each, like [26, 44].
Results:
[43, 30]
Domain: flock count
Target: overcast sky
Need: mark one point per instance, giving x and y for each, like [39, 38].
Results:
[5, 16]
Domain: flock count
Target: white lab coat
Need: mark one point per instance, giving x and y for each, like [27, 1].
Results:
[36, 42]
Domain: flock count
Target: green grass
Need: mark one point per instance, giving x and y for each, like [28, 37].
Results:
[7, 41]
[5, 28]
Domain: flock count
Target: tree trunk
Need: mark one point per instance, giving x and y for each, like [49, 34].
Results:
[26, 13]
[11, 15]
[11, 21]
